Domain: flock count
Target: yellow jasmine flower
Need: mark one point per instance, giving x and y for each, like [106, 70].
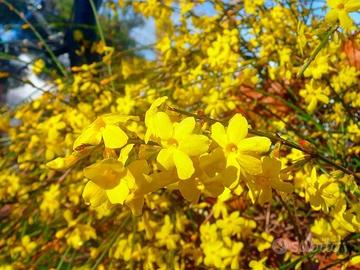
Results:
[323, 232]
[105, 128]
[145, 184]
[150, 118]
[261, 185]
[264, 242]
[322, 192]
[241, 152]
[38, 66]
[339, 10]
[250, 5]
[50, 202]
[313, 93]
[318, 67]
[258, 265]
[209, 177]
[26, 248]
[110, 176]
[343, 220]
[166, 237]
[76, 234]
[179, 144]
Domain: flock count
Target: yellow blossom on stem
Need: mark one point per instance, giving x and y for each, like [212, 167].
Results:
[321, 191]
[313, 93]
[178, 144]
[241, 152]
[261, 185]
[107, 177]
[209, 178]
[105, 128]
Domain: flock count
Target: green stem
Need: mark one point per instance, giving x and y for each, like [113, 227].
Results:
[61, 262]
[112, 241]
[102, 37]
[322, 44]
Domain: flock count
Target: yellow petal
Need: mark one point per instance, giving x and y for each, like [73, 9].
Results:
[214, 186]
[233, 169]
[93, 194]
[136, 204]
[323, 98]
[282, 186]
[213, 162]
[163, 126]
[194, 145]
[184, 128]
[313, 175]
[352, 6]
[237, 129]
[119, 193]
[250, 164]
[254, 144]
[157, 181]
[114, 136]
[158, 102]
[332, 3]
[312, 105]
[331, 16]
[218, 134]
[90, 136]
[184, 164]
[265, 196]
[271, 166]
[165, 158]
[115, 118]
[62, 163]
[139, 167]
[150, 113]
[188, 189]
[345, 20]
[124, 153]
[106, 173]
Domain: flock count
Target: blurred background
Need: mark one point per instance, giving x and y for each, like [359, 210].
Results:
[57, 24]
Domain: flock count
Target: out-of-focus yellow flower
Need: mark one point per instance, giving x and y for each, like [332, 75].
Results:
[321, 191]
[313, 93]
[258, 265]
[264, 242]
[318, 67]
[261, 185]
[38, 66]
[339, 10]
[50, 202]
[27, 246]
[166, 236]
[250, 6]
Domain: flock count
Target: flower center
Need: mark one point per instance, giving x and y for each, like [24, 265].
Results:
[172, 142]
[341, 6]
[231, 147]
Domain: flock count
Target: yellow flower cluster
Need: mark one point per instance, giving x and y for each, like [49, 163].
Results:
[94, 172]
